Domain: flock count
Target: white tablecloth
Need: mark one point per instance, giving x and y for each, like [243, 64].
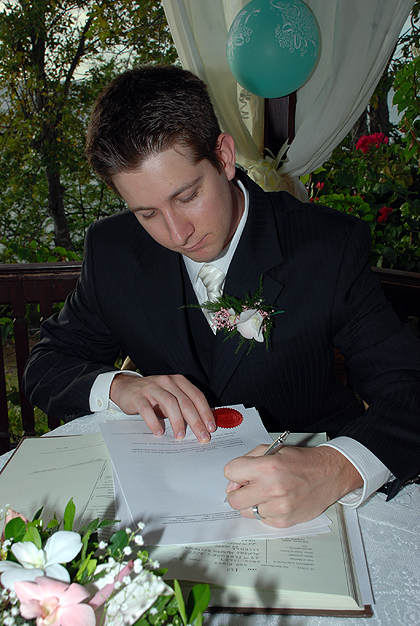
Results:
[391, 534]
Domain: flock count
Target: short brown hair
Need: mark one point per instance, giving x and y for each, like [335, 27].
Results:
[146, 110]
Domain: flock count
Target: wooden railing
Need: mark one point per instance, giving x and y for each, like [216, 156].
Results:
[403, 291]
[49, 283]
[21, 284]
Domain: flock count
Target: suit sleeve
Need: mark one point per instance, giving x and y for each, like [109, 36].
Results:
[383, 357]
[76, 345]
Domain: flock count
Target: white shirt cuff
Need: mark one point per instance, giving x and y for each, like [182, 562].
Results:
[371, 469]
[99, 399]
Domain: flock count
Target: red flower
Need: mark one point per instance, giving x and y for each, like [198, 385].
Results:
[367, 141]
[385, 212]
[319, 185]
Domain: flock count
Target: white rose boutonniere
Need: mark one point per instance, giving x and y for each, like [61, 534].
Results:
[250, 317]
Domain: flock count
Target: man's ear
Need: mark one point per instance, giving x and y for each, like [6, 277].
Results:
[226, 153]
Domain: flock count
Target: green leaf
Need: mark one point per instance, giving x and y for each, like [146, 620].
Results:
[108, 522]
[198, 601]
[33, 535]
[118, 542]
[52, 524]
[91, 527]
[141, 622]
[38, 514]
[86, 569]
[199, 620]
[15, 529]
[69, 514]
[180, 600]
[389, 254]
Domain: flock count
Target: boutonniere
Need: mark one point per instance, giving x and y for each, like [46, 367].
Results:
[250, 317]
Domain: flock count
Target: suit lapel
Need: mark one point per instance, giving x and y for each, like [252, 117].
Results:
[258, 254]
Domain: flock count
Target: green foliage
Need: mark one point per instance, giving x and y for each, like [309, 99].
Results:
[379, 184]
[15, 251]
[55, 57]
[15, 415]
[407, 99]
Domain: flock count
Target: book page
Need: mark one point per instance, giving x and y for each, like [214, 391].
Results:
[48, 471]
[297, 571]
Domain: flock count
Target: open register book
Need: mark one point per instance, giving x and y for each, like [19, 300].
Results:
[318, 574]
[325, 574]
[321, 574]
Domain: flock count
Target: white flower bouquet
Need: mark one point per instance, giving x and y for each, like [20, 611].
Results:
[56, 576]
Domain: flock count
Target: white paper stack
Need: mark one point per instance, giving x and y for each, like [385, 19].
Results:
[177, 487]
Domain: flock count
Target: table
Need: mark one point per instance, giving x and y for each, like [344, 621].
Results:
[391, 534]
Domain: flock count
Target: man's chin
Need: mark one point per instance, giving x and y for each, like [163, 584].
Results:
[201, 255]
[200, 258]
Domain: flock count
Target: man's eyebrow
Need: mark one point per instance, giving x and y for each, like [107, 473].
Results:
[185, 187]
[174, 194]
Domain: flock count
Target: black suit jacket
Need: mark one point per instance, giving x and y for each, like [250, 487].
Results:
[315, 267]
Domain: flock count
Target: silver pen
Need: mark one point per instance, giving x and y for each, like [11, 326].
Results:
[275, 446]
[277, 443]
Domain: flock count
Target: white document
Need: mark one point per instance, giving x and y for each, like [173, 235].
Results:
[177, 487]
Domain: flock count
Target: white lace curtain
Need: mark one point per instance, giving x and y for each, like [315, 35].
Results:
[358, 38]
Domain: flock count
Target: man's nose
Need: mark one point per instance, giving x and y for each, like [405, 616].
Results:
[180, 229]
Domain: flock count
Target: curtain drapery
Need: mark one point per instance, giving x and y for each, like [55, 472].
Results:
[357, 40]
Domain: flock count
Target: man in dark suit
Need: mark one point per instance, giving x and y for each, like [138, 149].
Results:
[154, 138]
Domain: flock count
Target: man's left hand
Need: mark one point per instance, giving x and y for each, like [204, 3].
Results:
[292, 486]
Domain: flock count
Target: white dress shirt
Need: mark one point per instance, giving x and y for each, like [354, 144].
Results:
[371, 469]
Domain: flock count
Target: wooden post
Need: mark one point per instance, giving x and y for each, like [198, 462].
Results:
[279, 121]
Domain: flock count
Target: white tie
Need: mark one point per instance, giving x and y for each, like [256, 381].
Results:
[213, 280]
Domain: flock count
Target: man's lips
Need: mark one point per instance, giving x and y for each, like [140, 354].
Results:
[195, 246]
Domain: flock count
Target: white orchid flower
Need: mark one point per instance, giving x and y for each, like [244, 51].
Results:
[61, 547]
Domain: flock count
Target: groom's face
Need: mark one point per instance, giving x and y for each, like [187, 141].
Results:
[190, 208]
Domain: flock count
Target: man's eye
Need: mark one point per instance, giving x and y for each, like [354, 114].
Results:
[148, 216]
[189, 198]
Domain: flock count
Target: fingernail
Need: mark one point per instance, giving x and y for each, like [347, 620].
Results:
[159, 433]
[204, 436]
[229, 486]
[211, 427]
[181, 434]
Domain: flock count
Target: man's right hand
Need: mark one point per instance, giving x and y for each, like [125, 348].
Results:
[170, 396]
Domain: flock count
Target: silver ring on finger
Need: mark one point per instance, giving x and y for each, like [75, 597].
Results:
[256, 514]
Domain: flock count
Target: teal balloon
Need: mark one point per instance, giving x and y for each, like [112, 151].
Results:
[273, 46]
